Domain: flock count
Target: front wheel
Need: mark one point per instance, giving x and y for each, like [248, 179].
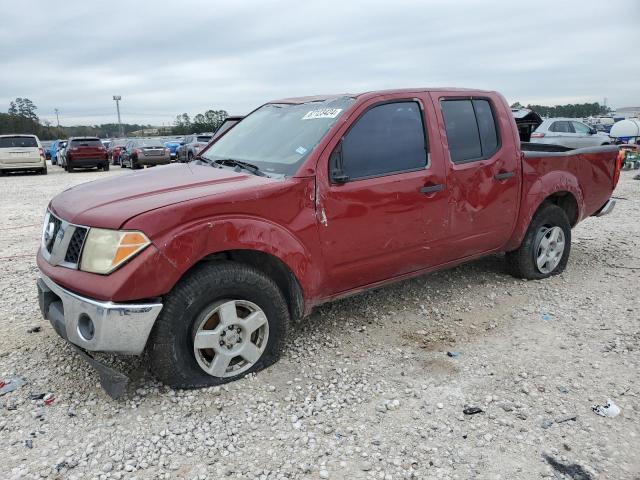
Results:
[221, 322]
[545, 249]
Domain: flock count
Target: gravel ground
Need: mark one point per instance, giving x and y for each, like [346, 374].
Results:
[365, 388]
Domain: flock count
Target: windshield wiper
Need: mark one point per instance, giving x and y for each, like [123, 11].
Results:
[237, 163]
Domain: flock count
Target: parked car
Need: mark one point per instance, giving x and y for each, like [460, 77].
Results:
[568, 133]
[226, 125]
[52, 152]
[46, 146]
[85, 152]
[106, 142]
[113, 151]
[20, 153]
[173, 145]
[190, 146]
[139, 152]
[204, 265]
[60, 154]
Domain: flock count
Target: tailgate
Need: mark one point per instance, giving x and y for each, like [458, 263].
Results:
[16, 155]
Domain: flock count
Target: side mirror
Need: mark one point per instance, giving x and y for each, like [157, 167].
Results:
[336, 172]
[593, 131]
[182, 143]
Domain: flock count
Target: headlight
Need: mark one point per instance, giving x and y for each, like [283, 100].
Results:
[105, 250]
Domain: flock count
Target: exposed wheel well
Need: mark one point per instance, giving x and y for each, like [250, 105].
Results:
[567, 202]
[274, 268]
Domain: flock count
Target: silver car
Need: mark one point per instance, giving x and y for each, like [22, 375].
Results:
[568, 133]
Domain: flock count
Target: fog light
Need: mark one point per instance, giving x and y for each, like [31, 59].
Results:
[85, 327]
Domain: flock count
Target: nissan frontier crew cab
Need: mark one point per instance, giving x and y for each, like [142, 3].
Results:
[202, 266]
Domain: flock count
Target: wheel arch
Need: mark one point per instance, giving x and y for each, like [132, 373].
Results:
[556, 188]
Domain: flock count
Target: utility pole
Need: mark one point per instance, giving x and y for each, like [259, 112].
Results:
[117, 98]
[57, 117]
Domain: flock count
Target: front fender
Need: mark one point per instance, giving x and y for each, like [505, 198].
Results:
[200, 239]
[539, 189]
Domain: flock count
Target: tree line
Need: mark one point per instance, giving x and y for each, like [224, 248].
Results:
[570, 110]
[21, 117]
[208, 121]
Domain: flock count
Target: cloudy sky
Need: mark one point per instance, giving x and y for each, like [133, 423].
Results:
[166, 58]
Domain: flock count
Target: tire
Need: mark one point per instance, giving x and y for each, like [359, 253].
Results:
[190, 157]
[133, 164]
[122, 165]
[105, 167]
[173, 358]
[68, 168]
[548, 222]
[43, 171]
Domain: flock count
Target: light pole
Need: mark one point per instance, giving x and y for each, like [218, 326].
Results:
[57, 117]
[117, 98]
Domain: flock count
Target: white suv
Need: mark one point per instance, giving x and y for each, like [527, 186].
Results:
[568, 133]
[21, 152]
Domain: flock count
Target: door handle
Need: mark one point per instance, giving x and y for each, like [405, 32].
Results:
[432, 188]
[504, 175]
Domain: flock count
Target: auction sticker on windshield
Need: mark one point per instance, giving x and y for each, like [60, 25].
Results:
[322, 113]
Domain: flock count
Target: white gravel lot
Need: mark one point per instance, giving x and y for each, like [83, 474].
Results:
[365, 389]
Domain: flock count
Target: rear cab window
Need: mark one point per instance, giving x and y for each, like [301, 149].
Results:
[471, 129]
[18, 142]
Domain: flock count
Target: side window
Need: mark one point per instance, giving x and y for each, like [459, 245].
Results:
[561, 127]
[471, 129]
[581, 128]
[487, 127]
[386, 139]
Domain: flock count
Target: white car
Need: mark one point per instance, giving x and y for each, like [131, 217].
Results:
[21, 152]
[568, 133]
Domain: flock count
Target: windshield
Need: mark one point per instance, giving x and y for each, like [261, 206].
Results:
[278, 137]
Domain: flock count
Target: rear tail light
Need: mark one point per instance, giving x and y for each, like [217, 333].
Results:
[138, 151]
[537, 135]
[167, 151]
[619, 162]
[41, 150]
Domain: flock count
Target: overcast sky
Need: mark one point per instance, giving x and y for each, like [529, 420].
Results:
[166, 58]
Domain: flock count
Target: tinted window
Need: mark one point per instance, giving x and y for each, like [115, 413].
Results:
[462, 130]
[561, 127]
[203, 138]
[581, 128]
[88, 142]
[486, 127]
[13, 142]
[387, 138]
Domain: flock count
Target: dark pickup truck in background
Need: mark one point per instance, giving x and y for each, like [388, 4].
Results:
[304, 201]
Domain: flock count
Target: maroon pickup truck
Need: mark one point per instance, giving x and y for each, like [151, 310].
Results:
[202, 266]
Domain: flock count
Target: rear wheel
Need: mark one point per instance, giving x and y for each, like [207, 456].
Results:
[105, 167]
[190, 157]
[222, 321]
[44, 171]
[546, 246]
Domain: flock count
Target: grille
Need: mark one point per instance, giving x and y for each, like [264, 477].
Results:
[75, 245]
[56, 228]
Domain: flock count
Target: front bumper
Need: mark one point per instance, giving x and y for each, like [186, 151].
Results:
[96, 325]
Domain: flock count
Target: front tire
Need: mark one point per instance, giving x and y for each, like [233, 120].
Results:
[222, 321]
[546, 246]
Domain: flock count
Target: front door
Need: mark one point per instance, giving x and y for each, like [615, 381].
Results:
[387, 214]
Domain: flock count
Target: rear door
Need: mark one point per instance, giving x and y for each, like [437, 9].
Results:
[562, 133]
[388, 216]
[484, 171]
[18, 149]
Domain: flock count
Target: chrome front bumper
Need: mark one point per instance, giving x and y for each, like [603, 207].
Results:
[96, 325]
[607, 209]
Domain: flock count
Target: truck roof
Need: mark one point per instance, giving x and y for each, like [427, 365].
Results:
[372, 93]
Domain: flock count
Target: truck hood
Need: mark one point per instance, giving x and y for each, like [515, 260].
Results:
[111, 202]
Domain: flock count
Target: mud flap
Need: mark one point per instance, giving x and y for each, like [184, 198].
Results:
[112, 381]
